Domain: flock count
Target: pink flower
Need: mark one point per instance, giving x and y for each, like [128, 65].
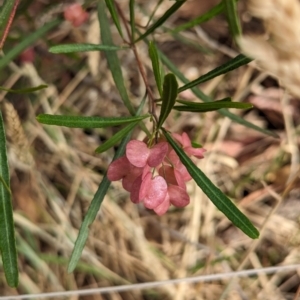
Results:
[176, 195]
[121, 168]
[137, 169]
[186, 143]
[151, 191]
[173, 158]
[75, 14]
[139, 154]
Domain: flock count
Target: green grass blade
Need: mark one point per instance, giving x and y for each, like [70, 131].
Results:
[28, 41]
[232, 64]
[206, 98]
[219, 199]
[211, 106]
[116, 138]
[95, 204]
[70, 48]
[7, 232]
[112, 58]
[169, 95]
[24, 91]
[86, 122]
[162, 19]
[132, 18]
[232, 17]
[113, 12]
[155, 66]
[201, 19]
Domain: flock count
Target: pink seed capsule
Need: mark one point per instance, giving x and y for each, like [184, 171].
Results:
[75, 14]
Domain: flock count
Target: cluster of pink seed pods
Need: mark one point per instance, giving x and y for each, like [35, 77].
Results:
[155, 175]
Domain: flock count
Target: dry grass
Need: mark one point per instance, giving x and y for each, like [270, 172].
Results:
[277, 51]
[128, 244]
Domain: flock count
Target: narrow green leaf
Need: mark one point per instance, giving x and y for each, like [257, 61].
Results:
[96, 203]
[155, 66]
[232, 64]
[206, 98]
[7, 232]
[4, 184]
[196, 145]
[201, 19]
[26, 42]
[211, 106]
[116, 138]
[86, 122]
[162, 19]
[70, 48]
[232, 17]
[113, 12]
[154, 11]
[132, 18]
[24, 91]
[219, 199]
[112, 58]
[6, 9]
[169, 95]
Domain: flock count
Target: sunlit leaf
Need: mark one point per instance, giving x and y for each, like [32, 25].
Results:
[219, 199]
[169, 95]
[211, 106]
[7, 232]
[113, 12]
[232, 64]
[86, 122]
[70, 48]
[155, 66]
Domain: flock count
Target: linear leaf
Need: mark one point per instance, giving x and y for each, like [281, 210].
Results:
[232, 64]
[169, 95]
[211, 106]
[154, 11]
[116, 138]
[24, 91]
[112, 58]
[203, 18]
[232, 17]
[6, 9]
[70, 48]
[7, 232]
[162, 19]
[155, 66]
[219, 199]
[113, 12]
[86, 122]
[132, 18]
[95, 204]
[206, 98]
[26, 42]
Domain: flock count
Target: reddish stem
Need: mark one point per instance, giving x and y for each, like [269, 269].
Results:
[9, 22]
[140, 66]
